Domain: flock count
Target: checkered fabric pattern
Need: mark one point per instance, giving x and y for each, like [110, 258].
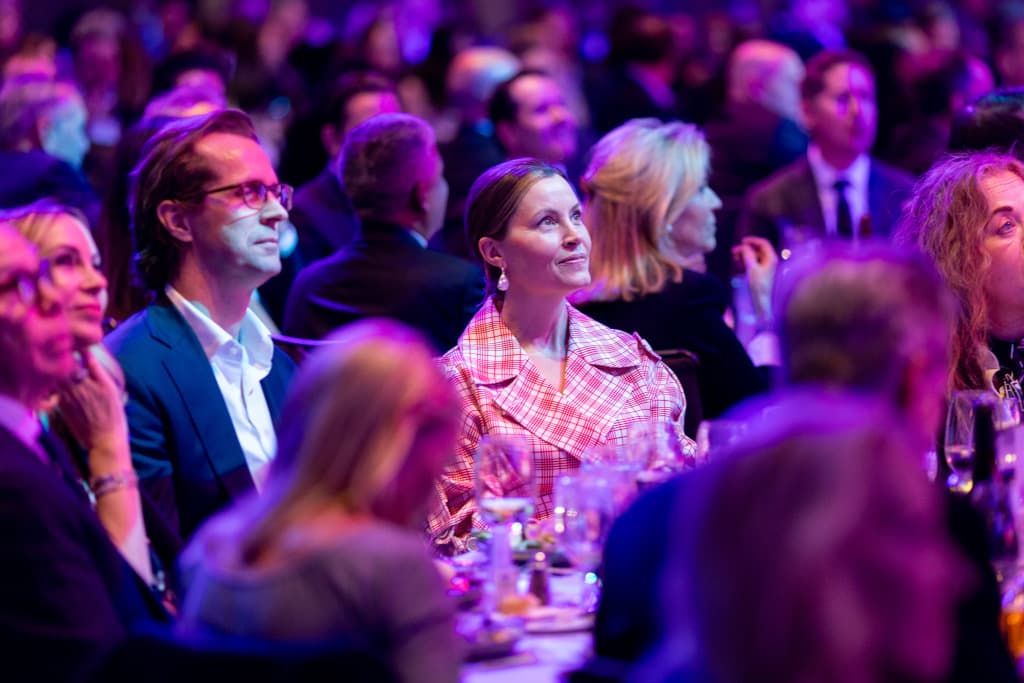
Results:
[612, 381]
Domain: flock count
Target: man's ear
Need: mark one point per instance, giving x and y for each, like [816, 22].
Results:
[419, 197]
[172, 216]
[490, 250]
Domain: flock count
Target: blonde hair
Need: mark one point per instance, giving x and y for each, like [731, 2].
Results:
[946, 219]
[347, 428]
[36, 219]
[639, 180]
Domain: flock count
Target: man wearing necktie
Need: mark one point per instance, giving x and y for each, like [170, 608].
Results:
[66, 594]
[837, 190]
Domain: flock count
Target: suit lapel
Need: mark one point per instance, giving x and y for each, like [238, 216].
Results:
[189, 370]
[808, 209]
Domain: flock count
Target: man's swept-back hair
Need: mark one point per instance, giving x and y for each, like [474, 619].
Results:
[171, 169]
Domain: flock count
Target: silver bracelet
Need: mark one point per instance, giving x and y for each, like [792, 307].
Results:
[109, 483]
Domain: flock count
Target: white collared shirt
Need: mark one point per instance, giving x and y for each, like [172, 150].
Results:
[825, 178]
[238, 366]
[23, 423]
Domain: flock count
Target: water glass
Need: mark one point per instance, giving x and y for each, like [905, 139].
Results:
[585, 508]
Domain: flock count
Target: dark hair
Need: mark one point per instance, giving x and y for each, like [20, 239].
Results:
[381, 160]
[640, 36]
[502, 107]
[493, 200]
[171, 169]
[994, 120]
[820, 64]
[345, 89]
[204, 58]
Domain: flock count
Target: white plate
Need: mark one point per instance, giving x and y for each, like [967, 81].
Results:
[548, 619]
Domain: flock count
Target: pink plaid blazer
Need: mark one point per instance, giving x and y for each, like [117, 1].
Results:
[612, 381]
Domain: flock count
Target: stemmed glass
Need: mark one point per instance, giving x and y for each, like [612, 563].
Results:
[959, 443]
[503, 481]
[585, 507]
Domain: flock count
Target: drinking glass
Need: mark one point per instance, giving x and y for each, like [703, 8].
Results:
[959, 442]
[585, 507]
[714, 435]
[503, 481]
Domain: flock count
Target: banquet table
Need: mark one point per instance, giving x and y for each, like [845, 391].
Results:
[540, 658]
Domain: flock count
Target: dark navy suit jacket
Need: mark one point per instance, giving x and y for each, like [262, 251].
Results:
[66, 595]
[790, 197]
[183, 443]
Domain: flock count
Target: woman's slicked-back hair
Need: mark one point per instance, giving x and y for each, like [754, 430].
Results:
[493, 200]
[171, 169]
[640, 178]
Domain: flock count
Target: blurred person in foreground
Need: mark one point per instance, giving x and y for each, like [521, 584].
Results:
[88, 415]
[530, 365]
[332, 549]
[66, 595]
[871, 320]
[814, 551]
[967, 215]
[650, 213]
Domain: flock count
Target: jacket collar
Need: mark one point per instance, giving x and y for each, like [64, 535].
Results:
[494, 355]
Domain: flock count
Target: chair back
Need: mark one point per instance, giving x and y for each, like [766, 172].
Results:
[684, 364]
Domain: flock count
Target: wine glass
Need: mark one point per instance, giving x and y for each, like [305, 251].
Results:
[959, 442]
[715, 435]
[585, 507]
[655, 446]
[503, 481]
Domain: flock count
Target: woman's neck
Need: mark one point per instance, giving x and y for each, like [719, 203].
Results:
[540, 324]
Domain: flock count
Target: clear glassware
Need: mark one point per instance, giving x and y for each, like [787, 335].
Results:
[959, 442]
[714, 435]
[585, 508]
[504, 486]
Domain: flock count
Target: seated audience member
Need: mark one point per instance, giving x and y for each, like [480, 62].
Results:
[42, 145]
[758, 132]
[650, 211]
[887, 337]
[531, 119]
[203, 377]
[966, 216]
[113, 234]
[472, 77]
[332, 549]
[837, 189]
[392, 173]
[993, 121]
[814, 551]
[88, 415]
[530, 365]
[323, 214]
[66, 595]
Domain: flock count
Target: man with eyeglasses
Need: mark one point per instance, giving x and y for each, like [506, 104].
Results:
[204, 380]
[66, 594]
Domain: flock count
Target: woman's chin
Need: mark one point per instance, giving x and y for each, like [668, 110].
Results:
[85, 335]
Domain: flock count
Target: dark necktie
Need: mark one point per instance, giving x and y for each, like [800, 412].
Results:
[844, 219]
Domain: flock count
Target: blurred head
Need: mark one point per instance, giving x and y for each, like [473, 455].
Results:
[357, 96]
[62, 237]
[817, 551]
[871, 319]
[532, 119]
[472, 77]
[185, 101]
[839, 105]
[391, 171]
[994, 120]
[35, 338]
[1008, 47]
[768, 74]
[368, 425]
[43, 114]
[966, 215]
[500, 199]
[647, 203]
[203, 67]
[190, 204]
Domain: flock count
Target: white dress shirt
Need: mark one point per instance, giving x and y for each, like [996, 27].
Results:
[825, 178]
[23, 423]
[238, 366]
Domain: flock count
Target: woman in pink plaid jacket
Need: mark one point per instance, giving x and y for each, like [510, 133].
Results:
[531, 366]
